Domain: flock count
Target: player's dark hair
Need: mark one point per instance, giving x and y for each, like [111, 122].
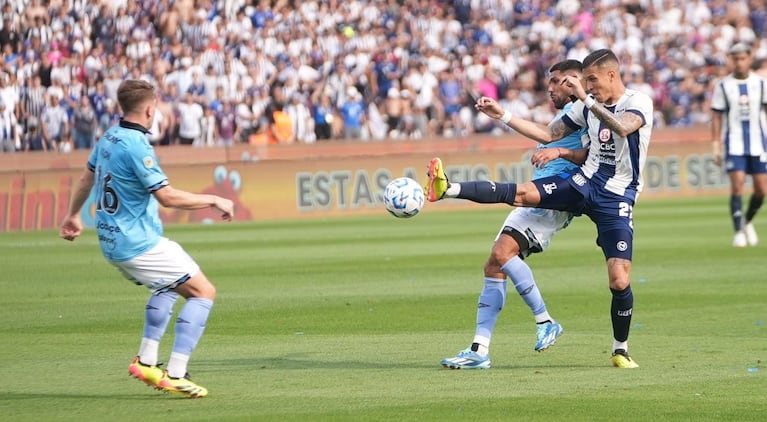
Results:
[600, 57]
[566, 65]
[132, 93]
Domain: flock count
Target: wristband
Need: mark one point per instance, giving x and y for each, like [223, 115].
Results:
[589, 102]
[506, 117]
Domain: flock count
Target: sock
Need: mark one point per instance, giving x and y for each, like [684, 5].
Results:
[543, 317]
[620, 311]
[753, 207]
[481, 346]
[147, 352]
[491, 302]
[157, 314]
[177, 365]
[190, 325]
[736, 211]
[485, 192]
[620, 345]
[453, 189]
[522, 277]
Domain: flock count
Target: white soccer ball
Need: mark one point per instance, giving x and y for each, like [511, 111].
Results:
[403, 197]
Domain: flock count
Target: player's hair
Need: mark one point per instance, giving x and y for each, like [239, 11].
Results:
[600, 57]
[566, 65]
[132, 93]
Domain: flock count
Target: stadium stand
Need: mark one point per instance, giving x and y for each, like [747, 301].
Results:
[279, 71]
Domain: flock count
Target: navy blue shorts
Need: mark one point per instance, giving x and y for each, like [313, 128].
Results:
[612, 214]
[751, 164]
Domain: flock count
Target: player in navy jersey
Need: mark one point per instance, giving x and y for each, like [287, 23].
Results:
[525, 231]
[618, 122]
[739, 124]
[129, 184]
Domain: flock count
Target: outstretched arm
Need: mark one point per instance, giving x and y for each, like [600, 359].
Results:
[538, 132]
[544, 156]
[176, 198]
[72, 225]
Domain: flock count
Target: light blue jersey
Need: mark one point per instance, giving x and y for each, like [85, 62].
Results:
[572, 141]
[126, 173]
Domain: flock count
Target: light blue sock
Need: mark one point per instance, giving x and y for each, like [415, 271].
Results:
[190, 324]
[491, 301]
[522, 277]
[158, 311]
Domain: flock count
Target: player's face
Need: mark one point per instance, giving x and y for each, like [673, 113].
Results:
[598, 82]
[741, 64]
[557, 92]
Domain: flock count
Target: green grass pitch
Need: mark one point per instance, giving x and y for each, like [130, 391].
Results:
[348, 318]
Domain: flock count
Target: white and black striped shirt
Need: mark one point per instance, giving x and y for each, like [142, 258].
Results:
[34, 100]
[742, 103]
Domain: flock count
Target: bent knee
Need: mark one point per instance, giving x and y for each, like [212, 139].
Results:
[619, 283]
[197, 286]
[207, 290]
[499, 256]
[506, 247]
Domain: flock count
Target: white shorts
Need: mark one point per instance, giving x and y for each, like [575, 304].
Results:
[161, 268]
[537, 225]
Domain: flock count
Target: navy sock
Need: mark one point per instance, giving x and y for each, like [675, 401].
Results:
[753, 206]
[487, 192]
[620, 312]
[736, 211]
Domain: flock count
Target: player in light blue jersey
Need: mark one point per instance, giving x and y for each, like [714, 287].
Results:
[618, 123]
[525, 231]
[129, 185]
[739, 123]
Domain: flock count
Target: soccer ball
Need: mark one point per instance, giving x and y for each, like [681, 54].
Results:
[403, 197]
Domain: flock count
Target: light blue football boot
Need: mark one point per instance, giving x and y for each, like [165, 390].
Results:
[467, 359]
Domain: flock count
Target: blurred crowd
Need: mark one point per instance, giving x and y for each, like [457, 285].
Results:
[280, 71]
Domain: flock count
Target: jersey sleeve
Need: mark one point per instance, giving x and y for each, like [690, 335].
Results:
[642, 106]
[92, 158]
[146, 167]
[575, 140]
[718, 100]
[764, 90]
[575, 117]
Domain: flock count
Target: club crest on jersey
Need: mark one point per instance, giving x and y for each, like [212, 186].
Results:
[604, 135]
[743, 100]
[549, 187]
[148, 162]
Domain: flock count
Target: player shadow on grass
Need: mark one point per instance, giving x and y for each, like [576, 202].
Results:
[137, 396]
[302, 361]
[306, 361]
